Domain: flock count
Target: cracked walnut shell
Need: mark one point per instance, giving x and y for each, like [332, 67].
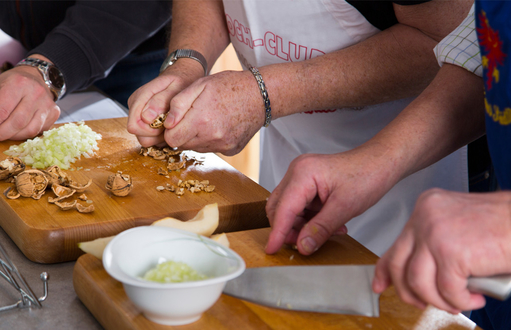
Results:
[11, 193]
[119, 184]
[158, 121]
[10, 167]
[31, 183]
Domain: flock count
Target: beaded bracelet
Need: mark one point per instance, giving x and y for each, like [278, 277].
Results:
[264, 93]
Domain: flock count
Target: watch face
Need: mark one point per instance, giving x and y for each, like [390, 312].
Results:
[55, 77]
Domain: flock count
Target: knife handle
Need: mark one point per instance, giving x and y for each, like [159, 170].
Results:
[498, 286]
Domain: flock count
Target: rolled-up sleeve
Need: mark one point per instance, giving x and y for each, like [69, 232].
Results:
[461, 47]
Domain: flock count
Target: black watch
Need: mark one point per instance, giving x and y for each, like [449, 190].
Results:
[188, 53]
[52, 76]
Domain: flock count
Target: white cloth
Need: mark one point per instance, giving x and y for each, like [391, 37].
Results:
[461, 47]
[266, 32]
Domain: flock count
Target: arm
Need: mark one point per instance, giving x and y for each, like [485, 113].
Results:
[27, 106]
[450, 237]
[393, 64]
[197, 25]
[85, 52]
[344, 185]
[82, 51]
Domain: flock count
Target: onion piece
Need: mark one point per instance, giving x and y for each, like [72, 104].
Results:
[59, 146]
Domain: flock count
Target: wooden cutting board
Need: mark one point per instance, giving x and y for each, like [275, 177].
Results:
[46, 234]
[107, 301]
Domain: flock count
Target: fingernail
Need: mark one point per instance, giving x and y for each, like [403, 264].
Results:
[376, 285]
[341, 231]
[309, 244]
[169, 121]
[149, 114]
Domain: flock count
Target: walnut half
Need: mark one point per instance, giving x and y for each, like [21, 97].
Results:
[119, 184]
[31, 183]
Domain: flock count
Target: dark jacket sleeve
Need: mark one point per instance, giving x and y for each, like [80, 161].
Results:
[95, 35]
[381, 13]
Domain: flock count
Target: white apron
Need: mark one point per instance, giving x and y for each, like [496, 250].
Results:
[266, 32]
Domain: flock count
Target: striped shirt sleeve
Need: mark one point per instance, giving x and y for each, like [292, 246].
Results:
[461, 47]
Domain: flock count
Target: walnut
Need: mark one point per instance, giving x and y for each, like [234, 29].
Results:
[157, 154]
[162, 171]
[83, 197]
[10, 167]
[84, 209]
[144, 151]
[158, 121]
[180, 191]
[172, 166]
[31, 183]
[11, 193]
[56, 176]
[66, 206]
[195, 186]
[119, 184]
[170, 152]
[61, 192]
[79, 187]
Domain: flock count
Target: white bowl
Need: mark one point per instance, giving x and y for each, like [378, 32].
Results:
[131, 253]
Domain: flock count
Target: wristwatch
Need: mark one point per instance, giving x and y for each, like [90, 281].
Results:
[189, 53]
[52, 76]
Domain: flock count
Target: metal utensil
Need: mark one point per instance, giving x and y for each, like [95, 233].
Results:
[10, 273]
[343, 289]
[498, 286]
[329, 289]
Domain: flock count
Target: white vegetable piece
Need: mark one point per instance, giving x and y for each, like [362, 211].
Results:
[59, 146]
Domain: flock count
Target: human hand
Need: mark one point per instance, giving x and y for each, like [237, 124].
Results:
[154, 98]
[320, 193]
[27, 106]
[449, 237]
[218, 113]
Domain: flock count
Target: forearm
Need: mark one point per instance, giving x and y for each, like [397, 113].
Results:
[445, 117]
[86, 52]
[381, 69]
[199, 25]
[396, 63]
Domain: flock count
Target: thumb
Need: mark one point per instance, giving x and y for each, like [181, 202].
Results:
[382, 278]
[320, 228]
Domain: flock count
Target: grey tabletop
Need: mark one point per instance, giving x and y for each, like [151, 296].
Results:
[61, 310]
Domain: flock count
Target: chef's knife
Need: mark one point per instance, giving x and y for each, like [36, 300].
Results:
[498, 286]
[329, 289]
[343, 289]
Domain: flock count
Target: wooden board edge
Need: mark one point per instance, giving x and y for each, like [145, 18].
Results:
[91, 295]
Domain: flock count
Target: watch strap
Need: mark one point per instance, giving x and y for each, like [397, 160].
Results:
[44, 67]
[186, 53]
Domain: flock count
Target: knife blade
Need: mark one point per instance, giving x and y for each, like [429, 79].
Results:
[342, 289]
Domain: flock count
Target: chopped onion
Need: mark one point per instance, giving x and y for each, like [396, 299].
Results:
[59, 146]
[172, 272]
